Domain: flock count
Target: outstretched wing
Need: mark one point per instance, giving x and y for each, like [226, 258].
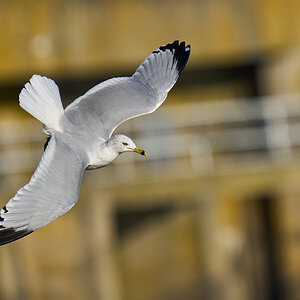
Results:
[51, 192]
[113, 101]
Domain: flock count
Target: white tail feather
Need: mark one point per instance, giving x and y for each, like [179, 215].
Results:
[41, 99]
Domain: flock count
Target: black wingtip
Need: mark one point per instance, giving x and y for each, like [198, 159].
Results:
[181, 53]
[10, 234]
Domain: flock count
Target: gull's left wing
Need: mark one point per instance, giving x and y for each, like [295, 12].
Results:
[116, 100]
[51, 192]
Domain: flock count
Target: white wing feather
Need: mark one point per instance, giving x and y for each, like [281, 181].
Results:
[51, 192]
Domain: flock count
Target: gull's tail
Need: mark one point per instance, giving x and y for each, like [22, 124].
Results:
[41, 98]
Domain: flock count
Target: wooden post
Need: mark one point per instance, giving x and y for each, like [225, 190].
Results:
[103, 247]
[8, 280]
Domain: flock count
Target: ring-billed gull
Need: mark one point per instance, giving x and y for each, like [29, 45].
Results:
[81, 135]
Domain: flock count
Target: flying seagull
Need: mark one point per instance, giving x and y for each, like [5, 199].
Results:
[81, 135]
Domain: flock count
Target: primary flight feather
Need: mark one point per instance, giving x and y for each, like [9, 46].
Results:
[81, 135]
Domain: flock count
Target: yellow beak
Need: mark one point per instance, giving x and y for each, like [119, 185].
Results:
[139, 151]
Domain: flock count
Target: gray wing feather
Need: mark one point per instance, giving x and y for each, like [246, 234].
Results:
[51, 192]
[116, 100]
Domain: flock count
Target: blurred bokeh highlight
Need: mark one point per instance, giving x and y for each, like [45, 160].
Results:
[213, 211]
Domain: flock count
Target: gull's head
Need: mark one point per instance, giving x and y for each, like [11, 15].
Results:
[123, 143]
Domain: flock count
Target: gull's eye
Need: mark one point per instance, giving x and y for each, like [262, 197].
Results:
[125, 144]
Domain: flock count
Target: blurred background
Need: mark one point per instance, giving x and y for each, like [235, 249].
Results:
[213, 211]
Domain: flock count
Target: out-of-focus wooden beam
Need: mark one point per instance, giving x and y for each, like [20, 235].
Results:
[64, 37]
